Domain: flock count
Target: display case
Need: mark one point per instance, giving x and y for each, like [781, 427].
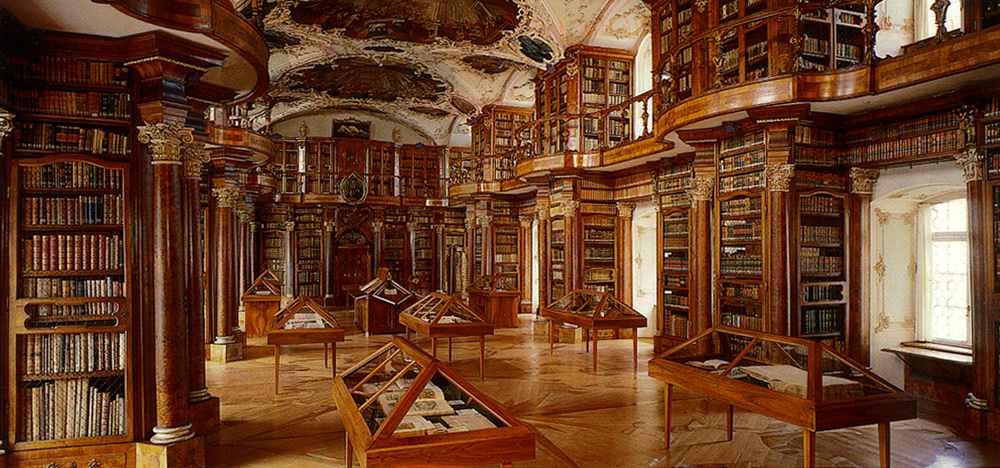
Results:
[798, 381]
[594, 311]
[442, 316]
[377, 309]
[304, 321]
[494, 298]
[403, 408]
[261, 301]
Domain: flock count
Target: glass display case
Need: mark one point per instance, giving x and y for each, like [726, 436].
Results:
[261, 302]
[798, 381]
[304, 321]
[402, 408]
[377, 309]
[594, 311]
[439, 315]
[494, 298]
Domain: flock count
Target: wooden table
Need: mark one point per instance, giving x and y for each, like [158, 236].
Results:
[435, 306]
[624, 318]
[880, 404]
[329, 335]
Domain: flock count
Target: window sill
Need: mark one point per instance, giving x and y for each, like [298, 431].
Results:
[932, 351]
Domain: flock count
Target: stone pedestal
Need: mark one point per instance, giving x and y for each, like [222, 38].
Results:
[205, 418]
[228, 352]
[187, 454]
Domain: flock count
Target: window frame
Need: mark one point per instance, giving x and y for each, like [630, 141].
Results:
[923, 259]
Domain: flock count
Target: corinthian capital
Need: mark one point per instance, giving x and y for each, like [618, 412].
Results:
[195, 157]
[701, 189]
[971, 162]
[571, 207]
[625, 209]
[6, 124]
[165, 141]
[244, 212]
[863, 180]
[779, 177]
[228, 195]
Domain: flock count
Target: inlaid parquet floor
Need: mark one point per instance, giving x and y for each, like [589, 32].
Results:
[609, 418]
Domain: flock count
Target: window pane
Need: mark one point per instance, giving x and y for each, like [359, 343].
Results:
[949, 291]
[950, 216]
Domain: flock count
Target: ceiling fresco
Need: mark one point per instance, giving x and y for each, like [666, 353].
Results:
[429, 64]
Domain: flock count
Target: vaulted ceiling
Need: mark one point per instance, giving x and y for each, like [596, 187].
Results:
[429, 65]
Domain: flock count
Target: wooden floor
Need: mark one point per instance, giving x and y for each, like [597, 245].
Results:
[609, 418]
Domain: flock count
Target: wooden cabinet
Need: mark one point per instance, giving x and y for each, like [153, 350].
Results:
[262, 301]
[495, 299]
[402, 407]
[822, 287]
[377, 309]
[833, 37]
[674, 241]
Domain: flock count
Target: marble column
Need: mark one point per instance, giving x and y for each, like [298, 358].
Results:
[470, 249]
[485, 222]
[244, 214]
[411, 267]
[441, 256]
[857, 323]
[624, 251]
[289, 286]
[779, 181]
[524, 265]
[700, 256]
[377, 238]
[573, 250]
[170, 333]
[543, 256]
[225, 260]
[195, 157]
[329, 241]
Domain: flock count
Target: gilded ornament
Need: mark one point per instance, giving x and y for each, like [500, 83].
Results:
[377, 226]
[288, 225]
[195, 157]
[971, 162]
[571, 207]
[625, 209]
[228, 196]
[863, 180]
[6, 124]
[779, 177]
[701, 188]
[165, 141]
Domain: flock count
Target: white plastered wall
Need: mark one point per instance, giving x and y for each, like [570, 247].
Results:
[643, 264]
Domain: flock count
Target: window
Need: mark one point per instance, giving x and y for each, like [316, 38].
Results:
[944, 306]
[924, 18]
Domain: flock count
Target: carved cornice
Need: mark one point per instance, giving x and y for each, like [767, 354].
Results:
[701, 189]
[228, 196]
[779, 177]
[971, 162]
[863, 180]
[195, 157]
[165, 141]
[625, 209]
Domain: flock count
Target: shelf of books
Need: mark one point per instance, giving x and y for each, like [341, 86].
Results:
[606, 81]
[381, 169]
[551, 100]
[308, 251]
[272, 219]
[821, 250]
[675, 206]
[740, 227]
[506, 243]
[599, 253]
[817, 146]
[454, 249]
[557, 258]
[70, 325]
[419, 171]
[422, 281]
[493, 132]
[927, 138]
[833, 37]
[477, 252]
[394, 246]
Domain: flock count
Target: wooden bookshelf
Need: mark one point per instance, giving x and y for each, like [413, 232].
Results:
[272, 219]
[420, 171]
[833, 37]
[822, 288]
[453, 250]
[493, 132]
[506, 243]
[308, 252]
[424, 252]
[599, 266]
[674, 245]
[557, 257]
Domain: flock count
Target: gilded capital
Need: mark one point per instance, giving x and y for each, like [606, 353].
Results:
[470, 221]
[971, 162]
[542, 213]
[571, 207]
[412, 225]
[625, 209]
[330, 225]
[525, 222]
[253, 227]
[165, 141]
[195, 157]
[484, 220]
[228, 195]
[779, 177]
[6, 124]
[244, 212]
[700, 189]
[377, 226]
[863, 180]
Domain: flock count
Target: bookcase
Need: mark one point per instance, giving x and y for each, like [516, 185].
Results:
[740, 218]
[506, 243]
[742, 53]
[599, 267]
[922, 138]
[822, 287]
[557, 257]
[272, 219]
[308, 251]
[395, 242]
[420, 174]
[674, 246]
[477, 251]
[833, 37]
[424, 253]
[493, 132]
[454, 250]
[381, 168]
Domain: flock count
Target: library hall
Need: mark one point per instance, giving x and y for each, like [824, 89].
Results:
[499, 233]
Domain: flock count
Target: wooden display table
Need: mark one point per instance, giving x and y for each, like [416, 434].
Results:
[594, 311]
[494, 298]
[404, 408]
[798, 381]
[442, 316]
[261, 301]
[377, 309]
[304, 321]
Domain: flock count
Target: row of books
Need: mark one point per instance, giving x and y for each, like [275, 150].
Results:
[69, 409]
[74, 211]
[818, 156]
[79, 310]
[823, 293]
[71, 103]
[740, 206]
[747, 160]
[108, 286]
[928, 123]
[742, 142]
[746, 322]
[812, 45]
[728, 9]
[815, 136]
[55, 137]
[599, 275]
[619, 75]
[991, 107]
[740, 230]
[820, 321]
[820, 265]
[675, 226]
[510, 239]
[274, 242]
[675, 199]
[677, 326]
[592, 234]
[811, 180]
[74, 353]
[66, 70]
[749, 181]
[506, 249]
[62, 252]
[675, 299]
[848, 52]
[741, 265]
[741, 291]
[557, 254]
[821, 235]
[618, 88]
[822, 205]
[70, 174]
[308, 276]
[730, 61]
[991, 133]
[674, 281]
[671, 261]
[600, 288]
[598, 253]
[671, 184]
[756, 50]
[675, 242]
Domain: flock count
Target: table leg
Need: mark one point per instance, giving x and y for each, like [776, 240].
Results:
[449, 348]
[808, 448]
[595, 350]
[668, 397]
[635, 348]
[586, 340]
[407, 334]
[333, 358]
[884, 448]
[552, 331]
[434, 348]
[729, 424]
[349, 455]
[277, 362]
[326, 354]
[482, 357]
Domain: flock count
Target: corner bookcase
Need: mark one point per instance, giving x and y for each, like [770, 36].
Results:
[674, 242]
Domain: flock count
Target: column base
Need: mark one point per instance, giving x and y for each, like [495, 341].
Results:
[204, 416]
[226, 352]
[186, 454]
